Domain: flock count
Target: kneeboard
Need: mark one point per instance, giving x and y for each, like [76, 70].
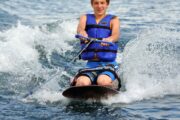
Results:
[89, 92]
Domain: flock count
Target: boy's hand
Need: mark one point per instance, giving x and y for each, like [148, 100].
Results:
[106, 40]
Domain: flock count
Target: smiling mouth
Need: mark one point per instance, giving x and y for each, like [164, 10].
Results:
[100, 10]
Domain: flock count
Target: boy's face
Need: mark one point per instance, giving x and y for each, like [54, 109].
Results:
[99, 6]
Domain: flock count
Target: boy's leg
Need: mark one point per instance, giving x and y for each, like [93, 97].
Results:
[83, 81]
[105, 78]
[86, 79]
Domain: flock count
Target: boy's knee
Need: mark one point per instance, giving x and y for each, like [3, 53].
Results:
[104, 80]
[83, 81]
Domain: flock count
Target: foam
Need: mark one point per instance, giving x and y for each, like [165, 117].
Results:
[150, 66]
[19, 55]
[17, 49]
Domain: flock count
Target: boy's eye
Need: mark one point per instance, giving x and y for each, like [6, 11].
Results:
[102, 2]
[96, 3]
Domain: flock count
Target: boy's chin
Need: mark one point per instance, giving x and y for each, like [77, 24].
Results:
[100, 13]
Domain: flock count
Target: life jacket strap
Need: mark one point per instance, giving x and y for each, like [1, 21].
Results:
[96, 26]
[100, 50]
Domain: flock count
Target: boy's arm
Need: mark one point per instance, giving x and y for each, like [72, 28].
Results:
[81, 26]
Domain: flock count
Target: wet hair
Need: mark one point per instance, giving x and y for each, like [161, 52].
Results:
[108, 1]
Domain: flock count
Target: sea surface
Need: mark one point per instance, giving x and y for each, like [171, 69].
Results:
[37, 45]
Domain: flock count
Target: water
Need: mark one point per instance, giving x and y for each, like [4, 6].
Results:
[37, 43]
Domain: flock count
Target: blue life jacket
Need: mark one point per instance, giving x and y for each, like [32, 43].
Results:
[95, 51]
